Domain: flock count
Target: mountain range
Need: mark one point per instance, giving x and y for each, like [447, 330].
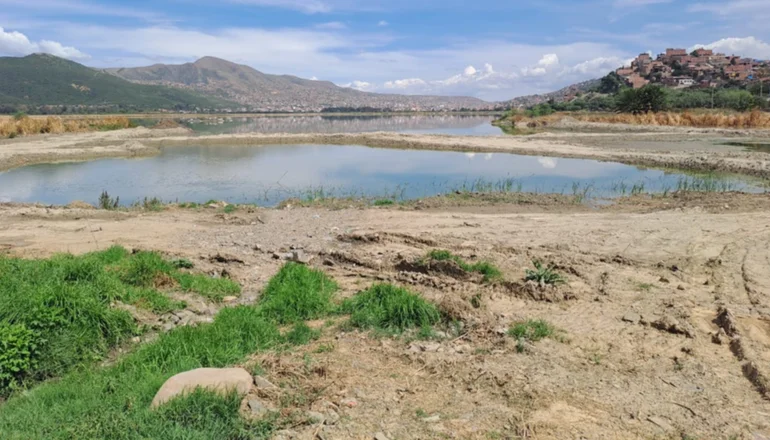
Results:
[43, 83]
[257, 91]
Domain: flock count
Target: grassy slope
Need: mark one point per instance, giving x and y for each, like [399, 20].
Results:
[38, 80]
[113, 402]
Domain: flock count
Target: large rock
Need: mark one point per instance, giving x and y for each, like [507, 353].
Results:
[221, 381]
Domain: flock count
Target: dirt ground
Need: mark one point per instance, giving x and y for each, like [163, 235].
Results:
[671, 147]
[664, 324]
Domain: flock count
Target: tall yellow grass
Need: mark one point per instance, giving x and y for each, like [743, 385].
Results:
[11, 127]
[754, 119]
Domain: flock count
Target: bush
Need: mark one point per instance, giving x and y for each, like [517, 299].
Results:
[391, 308]
[297, 293]
[17, 353]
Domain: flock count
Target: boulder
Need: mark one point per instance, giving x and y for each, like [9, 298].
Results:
[218, 380]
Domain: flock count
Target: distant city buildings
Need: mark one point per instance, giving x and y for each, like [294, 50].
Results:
[702, 67]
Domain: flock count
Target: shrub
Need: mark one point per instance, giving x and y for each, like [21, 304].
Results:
[530, 331]
[544, 275]
[387, 307]
[297, 293]
[384, 202]
[17, 353]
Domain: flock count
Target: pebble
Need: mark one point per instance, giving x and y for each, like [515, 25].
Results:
[263, 384]
[350, 403]
[257, 407]
[380, 436]
[432, 419]
[229, 299]
[632, 317]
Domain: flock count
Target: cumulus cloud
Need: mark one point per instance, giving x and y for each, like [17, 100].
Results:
[749, 47]
[362, 86]
[16, 43]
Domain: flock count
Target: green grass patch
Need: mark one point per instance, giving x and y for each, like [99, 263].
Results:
[530, 331]
[384, 202]
[544, 275]
[487, 269]
[390, 308]
[229, 209]
[113, 402]
[56, 314]
[297, 293]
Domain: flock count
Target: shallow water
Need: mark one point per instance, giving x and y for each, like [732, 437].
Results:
[432, 124]
[267, 175]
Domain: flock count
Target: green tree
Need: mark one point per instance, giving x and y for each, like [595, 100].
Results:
[611, 84]
[650, 98]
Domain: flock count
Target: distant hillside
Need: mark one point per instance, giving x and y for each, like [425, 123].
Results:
[257, 91]
[49, 84]
[564, 94]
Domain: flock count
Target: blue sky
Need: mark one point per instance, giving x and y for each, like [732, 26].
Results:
[492, 49]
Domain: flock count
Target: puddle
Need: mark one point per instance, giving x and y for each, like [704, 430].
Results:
[266, 175]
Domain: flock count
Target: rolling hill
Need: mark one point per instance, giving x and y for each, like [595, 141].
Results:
[257, 91]
[47, 83]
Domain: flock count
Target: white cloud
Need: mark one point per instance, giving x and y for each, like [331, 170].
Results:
[334, 25]
[404, 83]
[638, 3]
[306, 6]
[469, 71]
[362, 86]
[16, 43]
[383, 23]
[748, 47]
[548, 60]
[548, 163]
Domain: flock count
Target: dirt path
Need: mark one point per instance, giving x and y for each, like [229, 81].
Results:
[666, 315]
[693, 149]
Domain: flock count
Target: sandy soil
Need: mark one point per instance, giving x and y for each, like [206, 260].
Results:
[665, 320]
[693, 149]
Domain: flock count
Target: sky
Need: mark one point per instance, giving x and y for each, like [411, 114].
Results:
[491, 49]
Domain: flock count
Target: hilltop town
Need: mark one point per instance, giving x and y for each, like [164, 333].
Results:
[701, 68]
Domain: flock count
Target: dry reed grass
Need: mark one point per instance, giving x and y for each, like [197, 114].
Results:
[753, 119]
[11, 127]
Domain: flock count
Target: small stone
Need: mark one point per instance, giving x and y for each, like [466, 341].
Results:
[229, 299]
[263, 384]
[349, 403]
[315, 417]
[136, 339]
[258, 408]
[720, 337]
[432, 419]
[664, 280]
[632, 317]
[299, 256]
[167, 327]
[380, 436]
[680, 287]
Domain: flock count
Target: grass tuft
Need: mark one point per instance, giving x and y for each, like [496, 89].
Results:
[297, 293]
[544, 275]
[530, 331]
[390, 308]
[489, 270]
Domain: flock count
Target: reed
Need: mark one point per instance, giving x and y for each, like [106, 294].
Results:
[24, 126]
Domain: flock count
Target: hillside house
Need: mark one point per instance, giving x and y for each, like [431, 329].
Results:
[704, 53]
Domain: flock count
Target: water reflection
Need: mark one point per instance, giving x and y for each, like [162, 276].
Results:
[418, 124]
[269, 174]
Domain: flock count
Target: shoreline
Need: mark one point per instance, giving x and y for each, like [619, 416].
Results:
[693, 150]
